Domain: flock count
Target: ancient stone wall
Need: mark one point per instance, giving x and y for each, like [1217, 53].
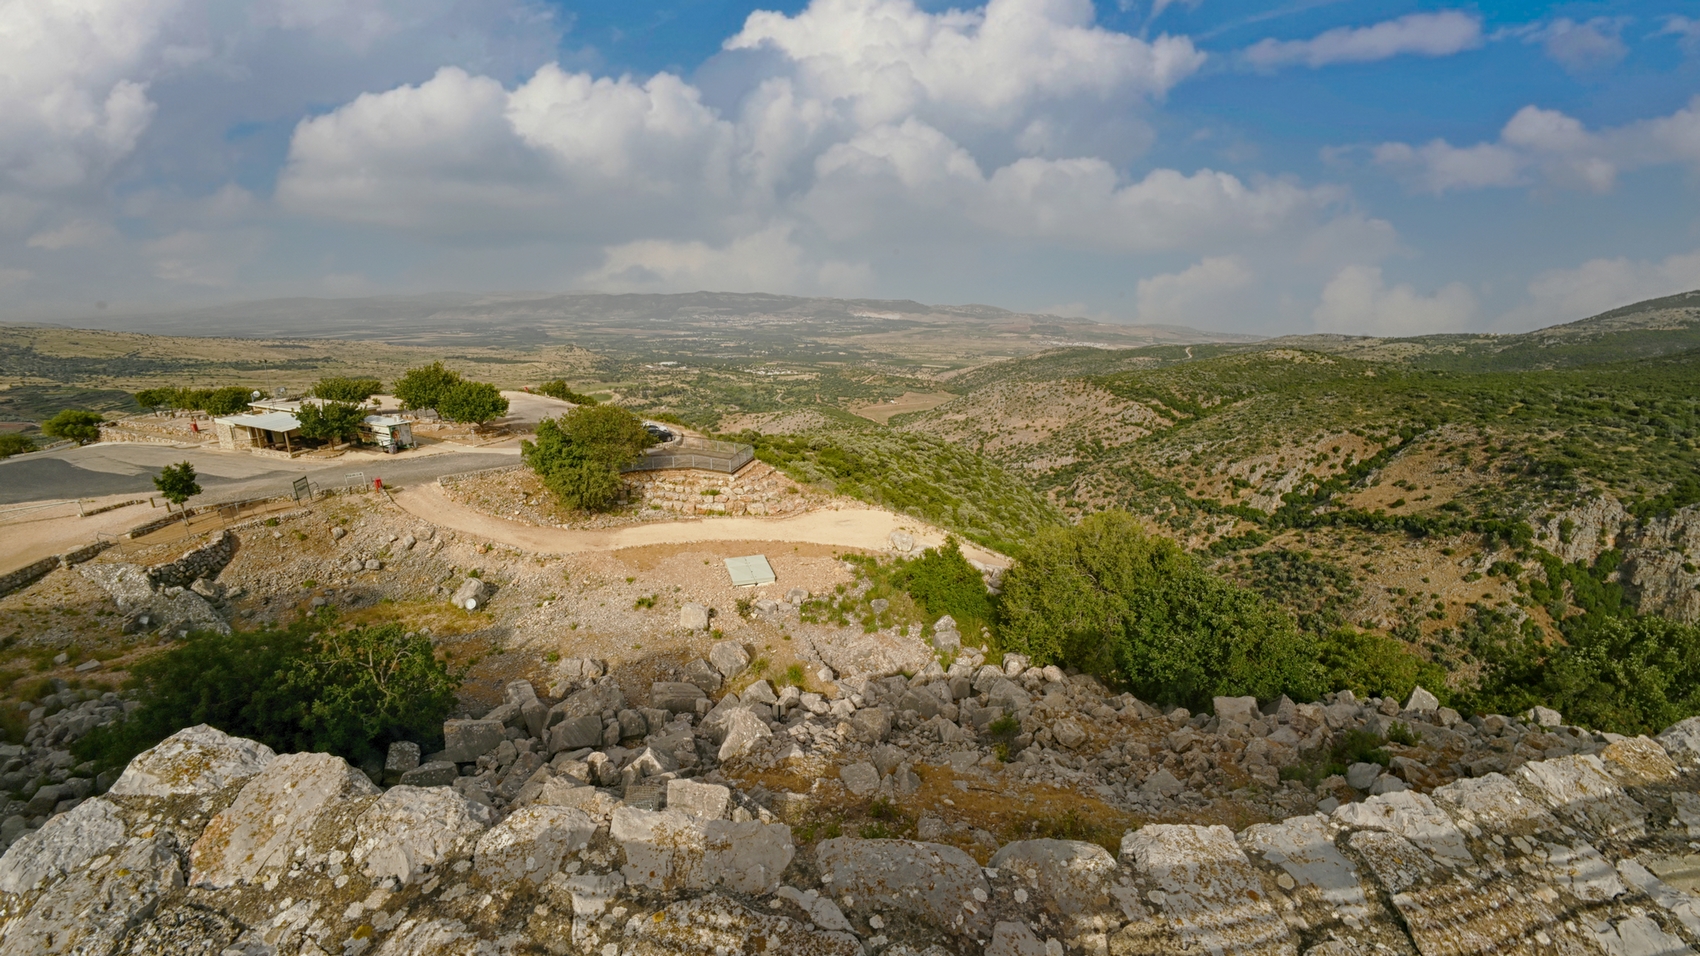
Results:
[205, 561]
[756, 489]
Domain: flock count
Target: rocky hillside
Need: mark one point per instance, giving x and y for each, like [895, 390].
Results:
[592, 823]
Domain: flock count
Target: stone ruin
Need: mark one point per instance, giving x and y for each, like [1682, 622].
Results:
[597, 825]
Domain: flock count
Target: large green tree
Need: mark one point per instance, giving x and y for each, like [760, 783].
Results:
[425, 386]
[75, 424]
[472, 403]
[1114, 601]
[330, 421]
[580, 454]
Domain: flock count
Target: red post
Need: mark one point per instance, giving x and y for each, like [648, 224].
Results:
[377, 484]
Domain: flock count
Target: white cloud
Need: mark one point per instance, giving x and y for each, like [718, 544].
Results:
[765, 261]
[1357, 301]
[11, 277]
[1206, 294]
[1551, 148]
[1599, 285]
[888, 58]
[1582, 48]
[71, 100]
[76, 234]
[1419, 34]
[1686, 30]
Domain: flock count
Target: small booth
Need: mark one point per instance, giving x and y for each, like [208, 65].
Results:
[271, 431]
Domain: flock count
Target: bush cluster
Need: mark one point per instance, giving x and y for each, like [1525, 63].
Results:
[579, 455]
[310, 686]
[558, 388]
[453, 397]
[229, 400]
[338, 389]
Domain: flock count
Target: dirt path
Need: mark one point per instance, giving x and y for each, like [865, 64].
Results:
[850, 525]
[29, 536]
[883, 412]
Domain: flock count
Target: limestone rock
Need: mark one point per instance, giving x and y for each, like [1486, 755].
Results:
[693, 616]
[743, 731]
[64, 843]
[1240, 710]
[1638, 762]
[1014, 939]
[729, 658]
[466, 740]
[1414, 817]
[195, 760]
[704, 801]
[1208, 889]
[715, 924]
[91, 911]
[471, 595]
[1422, 702]
[929, 881]
[861, 778]
[1324, 881]
[437, 773]
[272, 815]
[670, 850]
[408, 831]
[1073, 876]
[531, 844]
[1579, 790]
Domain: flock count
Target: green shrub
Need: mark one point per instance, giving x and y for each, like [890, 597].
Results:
[558, 388]
[1133, 609]
[349, 692]
[943, 582]
[338, 389]
[579, 455]
[1375, 665]
[75, 424]
[15, 444]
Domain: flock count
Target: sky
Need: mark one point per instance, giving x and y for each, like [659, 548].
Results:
[1351, 166]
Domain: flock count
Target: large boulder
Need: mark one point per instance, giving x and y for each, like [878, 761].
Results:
[693, 616]
[466, 740]
[409, 831]
[64, 843]
[274, 813]
[1212, 896]
[196, 760]
[92, 910]
[670, 850]
[1414, 817]
[932, 882]
[729, 658]
[1071, 876]
[677, 697]
[531, 844]
[743, 731]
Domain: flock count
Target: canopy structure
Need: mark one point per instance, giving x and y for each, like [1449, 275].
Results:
[270, 421]
[750, 570]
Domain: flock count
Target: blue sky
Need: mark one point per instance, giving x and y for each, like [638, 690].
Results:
[1348, 166]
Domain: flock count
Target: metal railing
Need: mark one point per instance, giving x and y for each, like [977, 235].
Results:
[723, 456]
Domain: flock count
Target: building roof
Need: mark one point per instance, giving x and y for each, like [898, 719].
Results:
[270, 421]
[384, 421]
[752, 569]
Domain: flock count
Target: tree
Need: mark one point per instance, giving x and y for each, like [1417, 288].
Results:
[558, 388]
[1134, 609]
[471, 402]
[306, 687]
[176, 483]
[152, 398]
[15, 444]
[330, 421]
[580, 454]
[425, 386]
[75, 424]
[230, 400]
[346, 389]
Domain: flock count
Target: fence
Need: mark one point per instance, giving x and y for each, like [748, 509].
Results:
[723, 456]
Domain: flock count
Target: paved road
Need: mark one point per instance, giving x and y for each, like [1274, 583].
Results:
[128, 468]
